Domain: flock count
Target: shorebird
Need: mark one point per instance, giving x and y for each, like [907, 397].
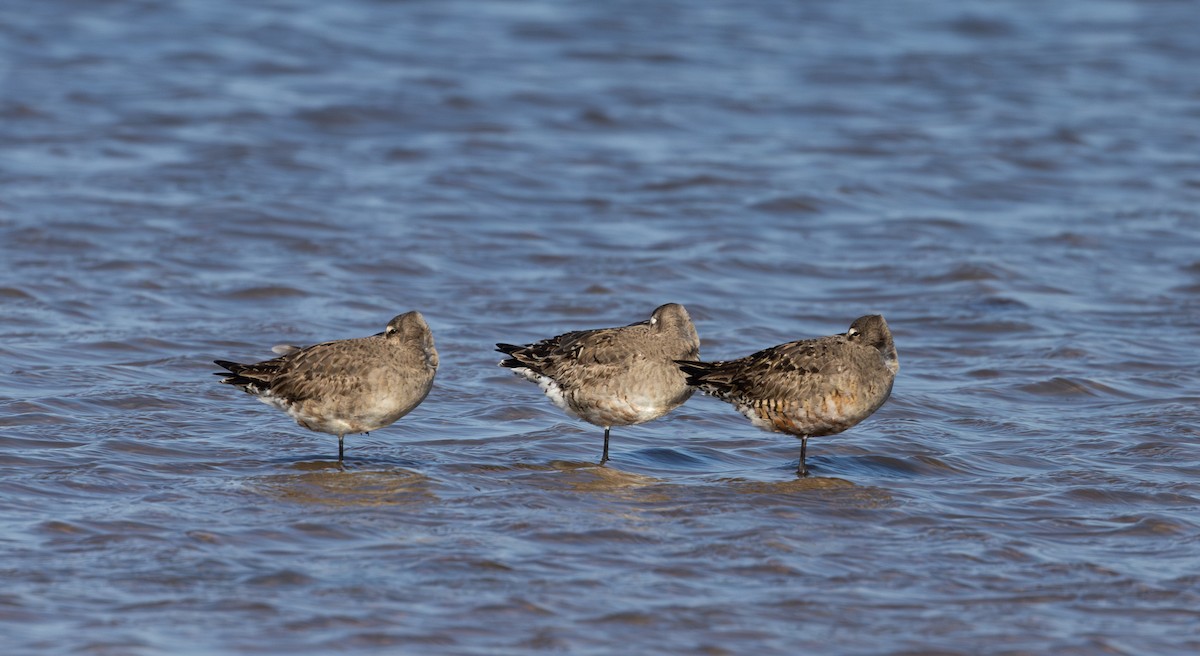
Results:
[807, 388]
[613, 376]
[346, 386]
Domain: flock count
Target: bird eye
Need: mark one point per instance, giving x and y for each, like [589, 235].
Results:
[853, 332]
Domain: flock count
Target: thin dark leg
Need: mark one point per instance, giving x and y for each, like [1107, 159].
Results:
[802, 469]
[604, 458]
[341, 447]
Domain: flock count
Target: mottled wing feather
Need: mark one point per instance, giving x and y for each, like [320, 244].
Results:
[532, 356]
[594, 348]
[251, 378]
[578, 348]
[779, 372]
[299, 375]
[321, 370]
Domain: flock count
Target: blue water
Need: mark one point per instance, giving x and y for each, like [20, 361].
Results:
[1013, 185]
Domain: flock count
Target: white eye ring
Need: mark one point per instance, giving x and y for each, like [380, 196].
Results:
[853, 332]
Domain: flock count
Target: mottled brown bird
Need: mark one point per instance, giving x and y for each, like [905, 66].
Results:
[810, 387]
[613, 376]
[346, 386]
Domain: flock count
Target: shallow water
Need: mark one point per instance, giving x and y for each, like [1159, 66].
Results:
[1013, 185]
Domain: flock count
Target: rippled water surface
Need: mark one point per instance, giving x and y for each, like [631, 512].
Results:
[1013, 184]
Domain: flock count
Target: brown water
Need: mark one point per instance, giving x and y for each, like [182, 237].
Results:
[1014, 185]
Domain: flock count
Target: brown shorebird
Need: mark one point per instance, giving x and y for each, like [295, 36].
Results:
[810, 387]
[613, 376]
[346, 386]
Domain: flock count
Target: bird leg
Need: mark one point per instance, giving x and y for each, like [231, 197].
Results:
[604, 458]
[802, 469]
[341, 446]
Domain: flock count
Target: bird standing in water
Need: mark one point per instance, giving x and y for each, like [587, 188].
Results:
[613, 376]
[807, 388]
[346, 386]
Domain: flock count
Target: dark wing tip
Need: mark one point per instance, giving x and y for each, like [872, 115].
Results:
[510, 349]
[694, 370]
[234, 376]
